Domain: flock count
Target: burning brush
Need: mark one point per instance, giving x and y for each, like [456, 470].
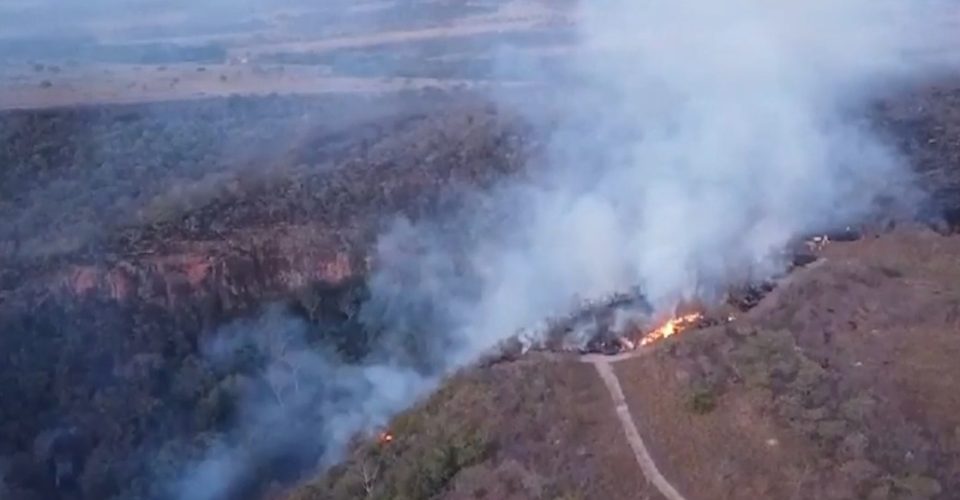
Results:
[642, 336]
[615, 325]
[672, 327]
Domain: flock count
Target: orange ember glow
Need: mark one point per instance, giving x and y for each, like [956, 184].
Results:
[385, 438]
[671, 327]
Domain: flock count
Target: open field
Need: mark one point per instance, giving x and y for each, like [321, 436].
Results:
[365, 47]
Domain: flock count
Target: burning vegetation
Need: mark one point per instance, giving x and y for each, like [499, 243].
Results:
[154, 228]
[384, 438]
[672, 327]
[627, 322]
[611, 329]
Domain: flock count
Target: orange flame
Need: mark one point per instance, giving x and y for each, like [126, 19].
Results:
[385, 438]
[671, 327]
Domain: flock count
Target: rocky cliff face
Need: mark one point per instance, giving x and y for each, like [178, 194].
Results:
[103, 336]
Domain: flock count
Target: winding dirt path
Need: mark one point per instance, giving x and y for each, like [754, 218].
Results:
[604, 366]
[644, 459]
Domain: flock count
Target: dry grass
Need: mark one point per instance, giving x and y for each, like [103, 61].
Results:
[840, 385]
[529, 429]
[711, 443]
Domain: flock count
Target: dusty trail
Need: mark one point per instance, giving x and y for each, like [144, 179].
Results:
[644, 459]
[604, 366]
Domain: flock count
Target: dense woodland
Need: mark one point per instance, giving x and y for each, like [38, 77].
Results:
[107, 397]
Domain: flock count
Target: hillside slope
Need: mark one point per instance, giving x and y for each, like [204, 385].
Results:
[838, 385]
[123, 304]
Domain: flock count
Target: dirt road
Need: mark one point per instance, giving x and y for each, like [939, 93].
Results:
[628, 421]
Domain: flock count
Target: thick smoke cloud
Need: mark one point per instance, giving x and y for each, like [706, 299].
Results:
[697, 140]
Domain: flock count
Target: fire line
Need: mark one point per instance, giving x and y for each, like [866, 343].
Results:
[671, 327]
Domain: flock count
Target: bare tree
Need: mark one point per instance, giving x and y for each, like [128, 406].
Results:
[370, 473]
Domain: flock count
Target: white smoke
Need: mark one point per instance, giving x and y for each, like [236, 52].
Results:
[304, 404]
[697, 139]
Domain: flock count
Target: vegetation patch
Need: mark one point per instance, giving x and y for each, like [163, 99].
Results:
[702, 400]
[530, 428]
[417, 457]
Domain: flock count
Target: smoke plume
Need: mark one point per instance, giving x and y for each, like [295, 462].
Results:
[696, 140]
[299, 409]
